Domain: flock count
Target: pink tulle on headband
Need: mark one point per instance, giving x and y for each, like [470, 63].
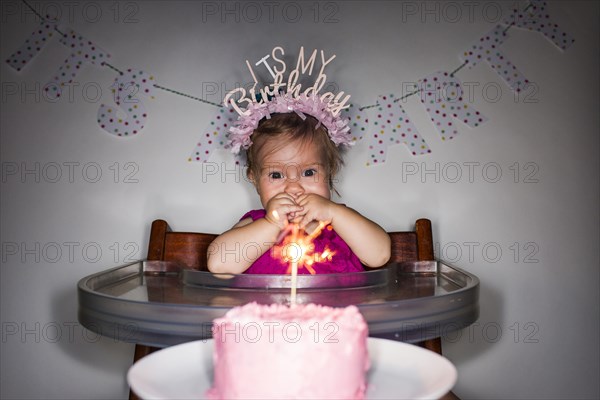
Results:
[337, 127]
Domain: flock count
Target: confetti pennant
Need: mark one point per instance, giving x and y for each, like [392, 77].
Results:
[33, 44]
[392, 126]
[359, 121]
[82, 50]
[442, 97]
[125, 90]
[486, 48]
[536, 18]
[214, 136]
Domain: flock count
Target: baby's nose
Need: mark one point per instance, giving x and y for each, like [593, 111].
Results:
[294, 188]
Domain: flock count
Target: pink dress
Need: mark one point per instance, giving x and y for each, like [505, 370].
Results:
[344, 260]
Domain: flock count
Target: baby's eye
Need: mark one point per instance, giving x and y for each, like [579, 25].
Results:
[275, 175]
[310, 172]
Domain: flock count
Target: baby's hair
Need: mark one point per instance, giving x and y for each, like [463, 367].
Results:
[291, 127]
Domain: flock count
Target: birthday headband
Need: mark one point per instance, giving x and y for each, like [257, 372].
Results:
[285, 97]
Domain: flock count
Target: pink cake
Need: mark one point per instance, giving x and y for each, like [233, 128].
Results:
[299, 352]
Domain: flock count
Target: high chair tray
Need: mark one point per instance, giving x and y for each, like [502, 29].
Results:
[162, 303]
[375, 277]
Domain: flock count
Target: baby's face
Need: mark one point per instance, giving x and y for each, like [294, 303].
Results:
[292, 170]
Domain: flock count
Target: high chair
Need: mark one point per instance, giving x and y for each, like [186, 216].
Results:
[190, 249]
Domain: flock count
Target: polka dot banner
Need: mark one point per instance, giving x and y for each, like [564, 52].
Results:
[486, 48]
[125, 90]
[442, 97]
[358, 121]
[33, 45]
[536, 18]
[392, 126]
[383, 124]
[214, 136]
[82, 51]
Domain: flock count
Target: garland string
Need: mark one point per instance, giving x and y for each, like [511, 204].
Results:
[220, 105]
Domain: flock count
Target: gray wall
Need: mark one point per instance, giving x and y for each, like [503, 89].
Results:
[531, 235]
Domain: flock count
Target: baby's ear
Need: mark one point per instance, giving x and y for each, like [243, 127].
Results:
[251, 177]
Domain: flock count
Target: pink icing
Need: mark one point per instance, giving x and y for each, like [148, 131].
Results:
[298, 352]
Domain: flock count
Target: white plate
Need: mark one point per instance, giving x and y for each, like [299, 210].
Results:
[398, 371]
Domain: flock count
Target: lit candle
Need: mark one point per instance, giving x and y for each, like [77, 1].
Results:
[294, 281]
[297, 249]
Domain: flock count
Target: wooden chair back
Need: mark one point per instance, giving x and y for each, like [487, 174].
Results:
[415, 245]
[191, 248]
[187, 248]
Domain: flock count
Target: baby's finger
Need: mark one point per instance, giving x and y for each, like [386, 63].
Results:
[301, 212]
[282, 200]
[284, 195]
[287, 209]
[302, 200]
[305, 220]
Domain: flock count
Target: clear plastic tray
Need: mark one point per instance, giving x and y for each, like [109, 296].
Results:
[162, 303]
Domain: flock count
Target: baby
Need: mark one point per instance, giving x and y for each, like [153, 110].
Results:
[292, 162]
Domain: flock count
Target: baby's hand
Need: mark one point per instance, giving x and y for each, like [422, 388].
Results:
[314, 208]
[281, 209]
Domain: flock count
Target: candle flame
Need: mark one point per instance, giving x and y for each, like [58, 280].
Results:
[298, 250]
[298, 247]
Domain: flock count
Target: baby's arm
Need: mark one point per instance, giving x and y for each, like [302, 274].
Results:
[236, 250]
[370, 243]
